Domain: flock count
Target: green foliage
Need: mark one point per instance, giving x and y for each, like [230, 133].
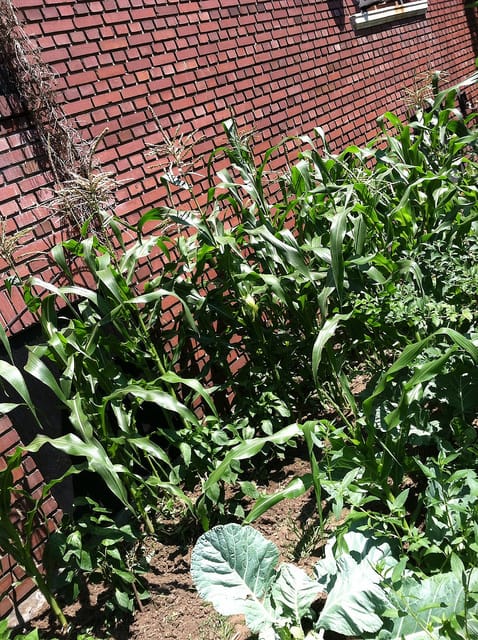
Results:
[9, 634]
[128, 409]
[277, 296]
[12, 634]
[368, 594]
[441, 606]
[235, 568]
[16, 538]
[92, 547]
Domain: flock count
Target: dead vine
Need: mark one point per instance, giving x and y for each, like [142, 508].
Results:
[34, 83]
[82, 189]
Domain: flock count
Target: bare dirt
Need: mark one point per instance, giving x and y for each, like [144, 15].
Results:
[175, 611]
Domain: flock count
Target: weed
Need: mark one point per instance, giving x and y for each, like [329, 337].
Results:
[215, 627]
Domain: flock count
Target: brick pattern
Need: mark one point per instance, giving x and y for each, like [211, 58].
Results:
[281, 66]
[25, 184]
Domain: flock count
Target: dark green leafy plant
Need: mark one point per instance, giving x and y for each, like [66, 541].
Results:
[9, 634]
[93, 547]
[235, 568]
[359, 590]
[286, 292]
[121, 392]
[16, 536]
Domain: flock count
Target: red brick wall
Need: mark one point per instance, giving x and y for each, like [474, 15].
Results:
[282, 66]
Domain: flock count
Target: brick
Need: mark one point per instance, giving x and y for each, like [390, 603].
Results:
[111, 71]
[113, 44]
[51, 56]
[25, 588]
[6, 604]
[85, 21]
[78, 106]
[10, 191]
[57, 26]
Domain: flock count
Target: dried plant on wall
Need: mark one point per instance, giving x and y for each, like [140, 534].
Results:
[34, 84]
[76, 175]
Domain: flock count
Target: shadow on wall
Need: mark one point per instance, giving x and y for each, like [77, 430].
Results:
[14, 116]
[337, 10]
[50, 462]
[472, 22]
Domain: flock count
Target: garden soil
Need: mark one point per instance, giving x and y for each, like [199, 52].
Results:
[175, 611]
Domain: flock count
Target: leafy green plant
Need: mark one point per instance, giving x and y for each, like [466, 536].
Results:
[235, 568]
[359, 589]
[93, 547]
[286, 290]
[262, 306]
[440, 606]
[451, 524]
[10, 634]
[121, 392]
[390, 422]
[14, 634]
[16, 537]
[263, 275]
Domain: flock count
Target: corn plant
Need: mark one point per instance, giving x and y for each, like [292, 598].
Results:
[282, 288]
[17, 534]
[343, 234]
[127, 407]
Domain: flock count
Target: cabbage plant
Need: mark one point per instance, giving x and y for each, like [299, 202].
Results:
[359, 589]
[235, 568]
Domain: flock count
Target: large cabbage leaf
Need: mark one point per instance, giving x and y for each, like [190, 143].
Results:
[422, 607]
[233, 568]
[355, 597]
[294, 591]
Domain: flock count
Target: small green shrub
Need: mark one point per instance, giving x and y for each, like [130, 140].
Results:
[93, 547]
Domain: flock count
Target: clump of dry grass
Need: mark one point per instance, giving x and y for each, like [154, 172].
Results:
[175, 154]
[84, 193]
[423, 90]
[34, 83]
[9, 244]
[87, 198]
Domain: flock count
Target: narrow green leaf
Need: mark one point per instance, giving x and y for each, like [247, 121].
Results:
[146, 445]
[193, 384]
[326, 332]
[60, 259]
[156, 396]
[6, 343]
[12, 376]
[38, 369]
[78, 418]
[294, 489]
[6, 407]
[96, 456]
[249, 449]
[337, 234]
[159, 294]
[173, 490]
